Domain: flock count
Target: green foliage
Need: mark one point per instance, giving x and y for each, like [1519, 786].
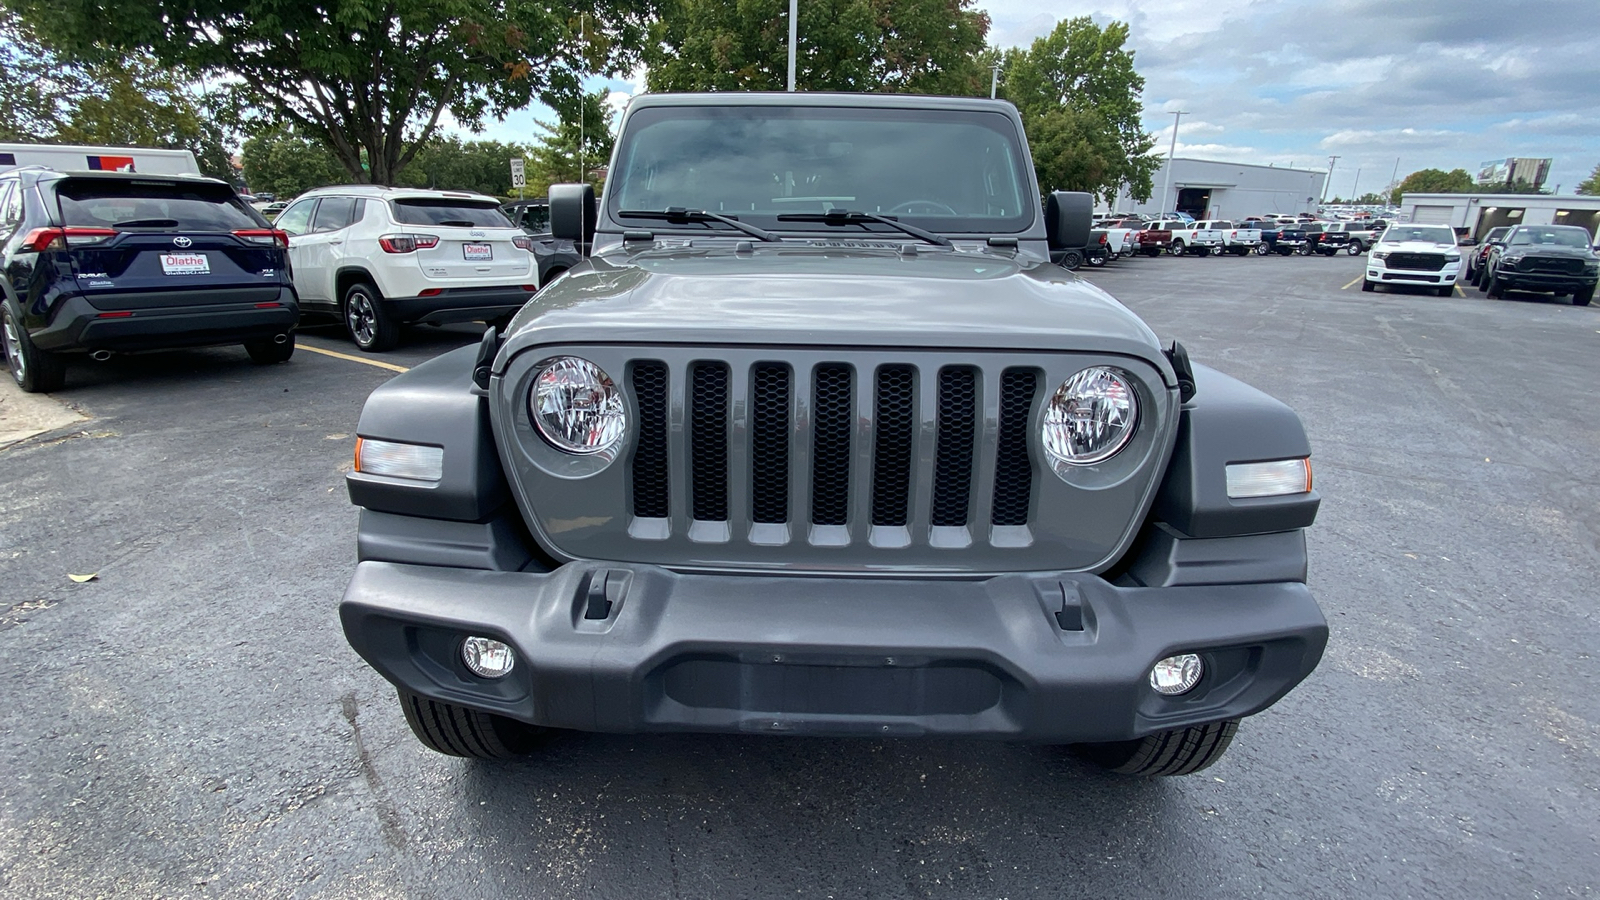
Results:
[1434, 181]
[555, 158]
[1079, 97]
[288, 164]
[127, 103]
[369, 78]
[451, 164]
[886, 46]
[1591, 185]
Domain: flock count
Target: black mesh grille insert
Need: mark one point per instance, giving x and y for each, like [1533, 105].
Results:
[1013, 473]
[952, 468]
[708, 441]
[891, 447]
[830, 443]
[769, 443]
[650, 459]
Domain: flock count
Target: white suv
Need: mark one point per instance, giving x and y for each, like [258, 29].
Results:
[378, 257]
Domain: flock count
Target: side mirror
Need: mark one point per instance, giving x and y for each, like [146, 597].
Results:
[572, 212]
[1067, 215]
[1468, 242]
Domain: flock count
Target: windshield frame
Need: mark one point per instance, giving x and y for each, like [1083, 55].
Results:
[1028, 220]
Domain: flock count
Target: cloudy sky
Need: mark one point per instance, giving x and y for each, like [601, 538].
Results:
[1431, 83]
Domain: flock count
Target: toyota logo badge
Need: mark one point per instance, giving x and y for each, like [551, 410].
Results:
[182, 241]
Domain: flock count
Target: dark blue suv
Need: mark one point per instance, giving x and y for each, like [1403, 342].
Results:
[111, 262]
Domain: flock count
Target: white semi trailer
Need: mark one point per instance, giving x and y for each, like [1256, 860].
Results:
[69, 158]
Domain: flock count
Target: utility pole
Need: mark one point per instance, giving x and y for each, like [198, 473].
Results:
[1166, 189]
[1394, 182]
[1329, 180]
[1355, 187]
[794, 30]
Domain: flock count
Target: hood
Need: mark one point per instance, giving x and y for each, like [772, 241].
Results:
[835, 293]
[1549, 250]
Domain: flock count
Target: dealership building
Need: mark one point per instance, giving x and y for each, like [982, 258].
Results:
[1209, 189]
[1477, 213]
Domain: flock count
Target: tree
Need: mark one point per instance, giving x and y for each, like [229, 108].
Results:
[370, 78]
[36, 89]
[136, 104]
[886, 46]
[1590, 185]
[555, 158]
[451, 164]
[1434, 181]
[1078, 94]
[287, 164]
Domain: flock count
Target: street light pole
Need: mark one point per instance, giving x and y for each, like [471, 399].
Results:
[1329, 180]
[1166, 189]
[1355, 188]
[994, 83]
[794, 28]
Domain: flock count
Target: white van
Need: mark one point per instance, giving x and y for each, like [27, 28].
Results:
[69, 158]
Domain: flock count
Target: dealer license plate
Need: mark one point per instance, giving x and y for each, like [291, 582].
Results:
[185, 264]
[477, 252]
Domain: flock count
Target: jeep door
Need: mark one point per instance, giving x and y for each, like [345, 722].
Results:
[321, 248]
[295, 221]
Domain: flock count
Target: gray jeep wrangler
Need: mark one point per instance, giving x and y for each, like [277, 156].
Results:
[817, 441]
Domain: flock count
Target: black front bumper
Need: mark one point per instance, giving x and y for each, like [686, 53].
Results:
[459, 305]
[1054, 657]
[77, 325]
[1555, 282]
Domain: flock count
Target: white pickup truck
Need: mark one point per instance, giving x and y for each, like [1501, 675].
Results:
[1190, 237]
[1236, 239]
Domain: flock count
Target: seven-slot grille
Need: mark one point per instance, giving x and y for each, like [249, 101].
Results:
[763, 475]
[1549, 264]
[1423, 262]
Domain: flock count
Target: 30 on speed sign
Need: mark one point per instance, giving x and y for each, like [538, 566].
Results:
[519, 177]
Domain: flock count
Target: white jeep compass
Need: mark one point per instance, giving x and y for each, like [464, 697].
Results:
[380, 257]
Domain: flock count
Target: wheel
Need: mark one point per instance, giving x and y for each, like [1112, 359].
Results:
[1202, 252]
[1176, 249]
[1072, 259]
[1445, 290]
[1583, 297]
[1369, 286]
[1285, 251]
[267, 352]
[1496, 289]
[1305, 249]
[1096, 262]
[1182, 751]
[369, 324]
[1263, 248]
[1152, 252]
[459, 731]
[1483, 281]
[35, 371]
[1242, 250]
[1472, 277]
[1355, 248]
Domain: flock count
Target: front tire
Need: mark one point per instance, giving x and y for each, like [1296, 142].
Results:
[1263, 248]
[1096, 262]
[1583, 297]
[267, 352]
[1355, 248]
[468, 733]
[1369, 286]
[1152, 252]
[1305, 249]
[371, 326]
[35, 371]
[1182, 751]
[1496, 289]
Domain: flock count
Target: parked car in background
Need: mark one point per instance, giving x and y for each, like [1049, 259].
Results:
[274, 209]
[1237, 238]
[99, 263]
[1358, 236]
[1278, 236]
[1326, 238]
[1155, 237]
[1480, 254]
[80, 158]
[1554, 259]
[380, 257]
[1421, 255]
[553, 256]
[1189, 237]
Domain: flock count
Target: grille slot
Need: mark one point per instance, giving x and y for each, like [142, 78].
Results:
[952, 468]
[708, 441]
[832, 404]
[894, 427]
[769, 443]
[1424, 262]
[650, 457]
[1013, 475]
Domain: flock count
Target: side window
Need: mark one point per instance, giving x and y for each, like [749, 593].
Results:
[297, 218]
[334, 213]
[10, 205]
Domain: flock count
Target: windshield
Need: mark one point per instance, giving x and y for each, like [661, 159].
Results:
[1433, 234]
[943, 170]
[1555, 236]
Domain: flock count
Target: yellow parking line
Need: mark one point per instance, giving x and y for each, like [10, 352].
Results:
[1460, 293]
[371, 362]
[1353, 283]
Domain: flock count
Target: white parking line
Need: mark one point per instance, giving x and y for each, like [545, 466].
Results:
[301, 345]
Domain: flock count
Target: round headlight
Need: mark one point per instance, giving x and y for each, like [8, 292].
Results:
[576, 407]
[1090, 418]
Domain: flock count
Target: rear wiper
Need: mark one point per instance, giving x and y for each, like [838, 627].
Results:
[679, 214]
[146, 223]
[848, 217]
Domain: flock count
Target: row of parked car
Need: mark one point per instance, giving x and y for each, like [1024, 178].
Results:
[1259, 236]
[111, 262]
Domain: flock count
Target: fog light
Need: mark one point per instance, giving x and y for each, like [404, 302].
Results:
[487, 658]
[1177, 674]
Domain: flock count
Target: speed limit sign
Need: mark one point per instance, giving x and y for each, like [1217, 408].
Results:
[519, 177]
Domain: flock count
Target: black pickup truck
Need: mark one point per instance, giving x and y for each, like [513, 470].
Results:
[1276, 238]
[1326, 238]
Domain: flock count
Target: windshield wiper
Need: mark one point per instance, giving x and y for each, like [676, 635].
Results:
[849, 217]
[146, 223]
[679, 214]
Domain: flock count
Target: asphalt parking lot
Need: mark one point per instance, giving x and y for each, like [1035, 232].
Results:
[192, 723]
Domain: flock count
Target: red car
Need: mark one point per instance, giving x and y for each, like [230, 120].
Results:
[1476, 260]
